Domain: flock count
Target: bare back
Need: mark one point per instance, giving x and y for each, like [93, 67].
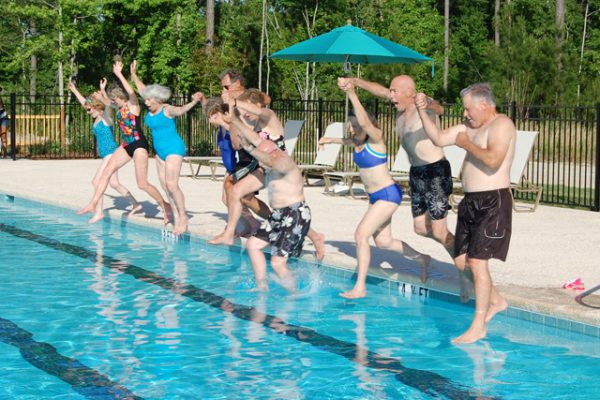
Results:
[477, 176]
[419, 147]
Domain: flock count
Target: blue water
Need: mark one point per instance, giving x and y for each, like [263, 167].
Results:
[116, 311]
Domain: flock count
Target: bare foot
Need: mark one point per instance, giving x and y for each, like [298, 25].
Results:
[168, 213]
[354, 293]
[319, 243]
[470, 336]
[222, 239]
[495, 308]
[424, 261]
[97, 217]
[138, 207]
[87, 209]
[181, 228]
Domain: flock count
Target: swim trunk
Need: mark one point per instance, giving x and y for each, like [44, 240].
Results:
[138, 144]
[391, 193]
[430, 187]
[484, 225]
[4, 122]
[242, 170]
[286, 229]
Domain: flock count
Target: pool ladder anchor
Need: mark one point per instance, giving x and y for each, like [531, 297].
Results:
[579, 298]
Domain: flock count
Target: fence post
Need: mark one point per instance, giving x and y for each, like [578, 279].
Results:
[188, 128]
[320, 117]
[376, 108]
[13, 126]
[596, 206]
[513, 112]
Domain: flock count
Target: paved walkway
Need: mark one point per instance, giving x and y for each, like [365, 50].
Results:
[548, 247]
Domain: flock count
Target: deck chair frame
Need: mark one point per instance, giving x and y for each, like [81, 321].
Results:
[326, 158]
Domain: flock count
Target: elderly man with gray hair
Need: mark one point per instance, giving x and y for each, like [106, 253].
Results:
[169, 147]
[484, 221]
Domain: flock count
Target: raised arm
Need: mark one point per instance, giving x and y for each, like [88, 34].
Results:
[136, 79]
[101, 94]
[238, 127]
[77, 94]
[375, 134]
[372, 87]
[438, 136]
[133, 101]
[176, 111]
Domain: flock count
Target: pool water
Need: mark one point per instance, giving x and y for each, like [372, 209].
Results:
[118, 311]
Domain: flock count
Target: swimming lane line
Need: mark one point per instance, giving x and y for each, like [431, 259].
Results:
[427, 382]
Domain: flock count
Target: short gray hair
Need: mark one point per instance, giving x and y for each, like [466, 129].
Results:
[480, 91]
[157, 92]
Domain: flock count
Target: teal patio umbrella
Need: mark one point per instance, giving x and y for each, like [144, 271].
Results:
[351, 45]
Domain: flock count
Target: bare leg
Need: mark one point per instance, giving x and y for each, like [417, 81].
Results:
[318, 240]
[118, 159]
[286, 277]
[257, 206]
[254, 246]
[123, 191]
[140, 158]
[247, 185]
[4, 141]
[172, 173]
[99, 212]
[488, 302]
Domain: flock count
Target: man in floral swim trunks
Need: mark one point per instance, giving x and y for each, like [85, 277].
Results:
[290, 218]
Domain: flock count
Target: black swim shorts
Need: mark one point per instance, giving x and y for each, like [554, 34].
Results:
[430, 187]
[142, 143]
[286, 229]
[484, 225]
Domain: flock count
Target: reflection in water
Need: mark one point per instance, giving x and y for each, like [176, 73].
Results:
[368, 381]
[487, 363]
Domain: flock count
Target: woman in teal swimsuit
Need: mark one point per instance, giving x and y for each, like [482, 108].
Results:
[134, 146]
[169, 147]
[103, 130]
[384, 195]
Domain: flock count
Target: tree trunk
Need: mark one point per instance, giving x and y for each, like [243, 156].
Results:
[560, 29]
[262, 42]
[446, 42]
[497, 23]
[32, 65]
[210, 25]
[585, 18]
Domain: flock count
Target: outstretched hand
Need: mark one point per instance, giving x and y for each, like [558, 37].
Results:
[118, 67]
[462, 139]
[103, 84]
[198, 97]
[133, 67]
[72, 86]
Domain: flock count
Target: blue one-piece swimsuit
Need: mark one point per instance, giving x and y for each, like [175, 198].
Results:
[164, 135]
[369, 158]
[105, 138]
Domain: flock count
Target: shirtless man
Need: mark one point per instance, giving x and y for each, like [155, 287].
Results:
[290, 218]
[430, 176]
[484, 215]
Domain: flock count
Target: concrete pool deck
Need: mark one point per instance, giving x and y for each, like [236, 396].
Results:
[548, 247]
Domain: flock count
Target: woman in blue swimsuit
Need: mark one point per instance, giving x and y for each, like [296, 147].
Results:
[134, 146]
[384, 194]
[169, 147]
[105, 140]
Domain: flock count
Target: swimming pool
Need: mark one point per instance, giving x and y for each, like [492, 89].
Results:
[117, 311]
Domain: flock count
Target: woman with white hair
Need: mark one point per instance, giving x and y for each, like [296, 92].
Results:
[134, 146]
[169, 147]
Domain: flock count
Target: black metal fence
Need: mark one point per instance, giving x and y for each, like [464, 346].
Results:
[565, 159]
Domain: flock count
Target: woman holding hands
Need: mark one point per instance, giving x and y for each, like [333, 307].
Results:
[384, 194]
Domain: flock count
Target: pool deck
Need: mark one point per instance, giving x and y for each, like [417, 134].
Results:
[548, 247]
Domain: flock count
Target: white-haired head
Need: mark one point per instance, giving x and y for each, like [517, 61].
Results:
[157, 92]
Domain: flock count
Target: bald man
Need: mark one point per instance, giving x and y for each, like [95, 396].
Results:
[430, 176]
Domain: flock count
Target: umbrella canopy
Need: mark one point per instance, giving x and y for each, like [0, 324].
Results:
[353, 45]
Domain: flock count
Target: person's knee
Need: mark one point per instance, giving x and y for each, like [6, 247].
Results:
[279, 263]
[384, 242]
[172, 186]
[361, 237]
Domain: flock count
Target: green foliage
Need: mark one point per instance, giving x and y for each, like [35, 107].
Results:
[168, 38]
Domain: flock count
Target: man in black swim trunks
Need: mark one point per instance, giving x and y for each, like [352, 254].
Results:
[485, 214]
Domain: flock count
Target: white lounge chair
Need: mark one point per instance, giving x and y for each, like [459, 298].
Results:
[328, 155]
[455, 156]
[518, 182]
[201, 160]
